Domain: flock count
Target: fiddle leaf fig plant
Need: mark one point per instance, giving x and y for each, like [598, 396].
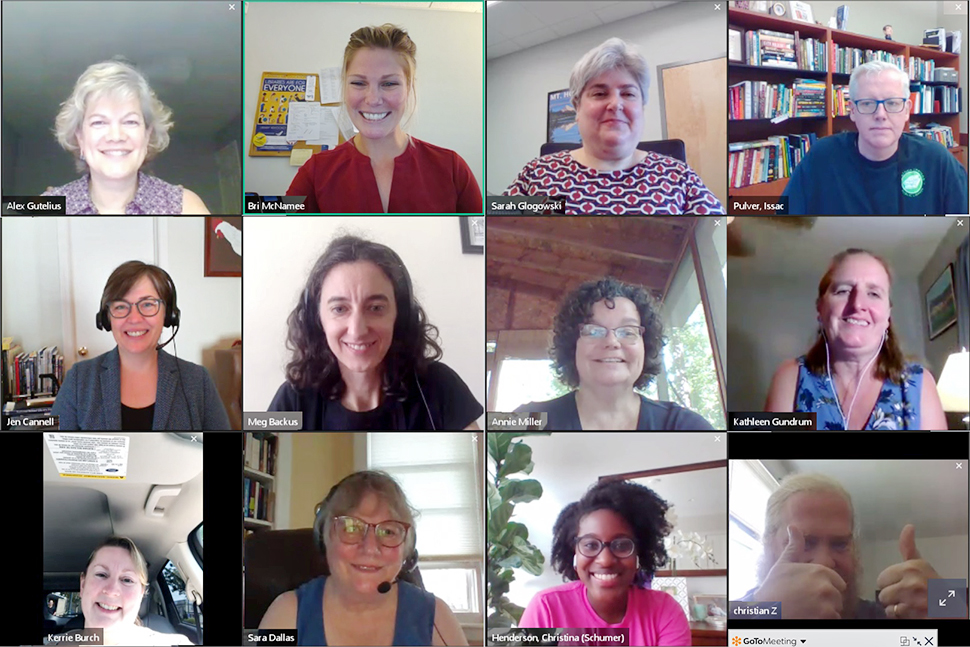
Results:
[508, 541]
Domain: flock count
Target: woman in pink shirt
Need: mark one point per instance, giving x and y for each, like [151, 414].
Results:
[608, 546]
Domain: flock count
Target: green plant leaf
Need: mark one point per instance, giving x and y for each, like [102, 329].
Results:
[497, 518]
[522, 491]
[517, 459]
[498, 445]
[512, 529]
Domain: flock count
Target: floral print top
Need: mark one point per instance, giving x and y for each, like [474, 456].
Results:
[897, 407]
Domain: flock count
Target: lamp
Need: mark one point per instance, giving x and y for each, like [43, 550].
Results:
[954, 385]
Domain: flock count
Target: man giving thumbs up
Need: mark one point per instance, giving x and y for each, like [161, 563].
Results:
[902, 587]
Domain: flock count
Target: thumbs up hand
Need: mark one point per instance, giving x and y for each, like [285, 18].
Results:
[903, 587]
[804, 590]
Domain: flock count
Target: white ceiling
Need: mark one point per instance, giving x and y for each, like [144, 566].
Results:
[908, 242]
[190, 52]
[514, 26]
[888, 494]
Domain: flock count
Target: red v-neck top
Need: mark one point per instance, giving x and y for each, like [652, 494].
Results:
[427, 179]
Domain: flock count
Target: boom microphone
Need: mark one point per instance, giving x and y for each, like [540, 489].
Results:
[383, 587]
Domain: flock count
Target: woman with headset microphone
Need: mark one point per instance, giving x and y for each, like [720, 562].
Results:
[373, 595]
[137, 386]
[364, 354]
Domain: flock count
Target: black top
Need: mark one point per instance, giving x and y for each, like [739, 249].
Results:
[137, 419]
[449, 401]
[654, 415]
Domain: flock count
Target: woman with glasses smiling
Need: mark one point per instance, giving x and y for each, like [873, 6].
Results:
[137, 386]
[607, 547]
[373, 594]
[607, 341]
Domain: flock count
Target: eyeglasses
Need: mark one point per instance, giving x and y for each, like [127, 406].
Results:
[351, 530]
[624, 334]
[621, 547]
[121, 309]
[869, 106]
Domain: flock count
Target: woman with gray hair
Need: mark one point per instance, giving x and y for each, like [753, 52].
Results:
[373, 596]
[608, 174]
[112, 123]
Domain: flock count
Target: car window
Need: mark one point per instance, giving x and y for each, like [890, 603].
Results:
[66, 604]
[176, 586]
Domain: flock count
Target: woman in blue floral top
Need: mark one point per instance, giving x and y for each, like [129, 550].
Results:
[854, 377]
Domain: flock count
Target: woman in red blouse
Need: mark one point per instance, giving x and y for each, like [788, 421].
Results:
[382, 169]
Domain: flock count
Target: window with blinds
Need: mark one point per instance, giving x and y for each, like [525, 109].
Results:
[441, 476]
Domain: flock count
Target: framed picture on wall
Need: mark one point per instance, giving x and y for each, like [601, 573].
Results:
[941, 308]
[561, 127]
[472, 234]
[223, 246]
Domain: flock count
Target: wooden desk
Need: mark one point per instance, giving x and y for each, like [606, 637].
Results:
[703, 633]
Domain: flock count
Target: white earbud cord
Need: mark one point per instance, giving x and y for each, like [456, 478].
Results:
[835, 390]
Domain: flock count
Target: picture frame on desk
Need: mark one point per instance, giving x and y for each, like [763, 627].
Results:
[801, 11]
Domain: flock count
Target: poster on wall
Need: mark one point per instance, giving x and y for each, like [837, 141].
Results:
[561, 127]
[223, 246]
[279, 92]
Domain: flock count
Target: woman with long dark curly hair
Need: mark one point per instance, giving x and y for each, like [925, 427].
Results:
[364, 354]
[607, 340]
[607, 546]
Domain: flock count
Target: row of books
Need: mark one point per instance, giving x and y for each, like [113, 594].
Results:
[840, 100]
[259, 452]
[22, 372]
[845, 59]
[257, 500]
[766, 160]
[934, 131]
[763, 100]
[935, 98]
[920, 70]
[767, 48]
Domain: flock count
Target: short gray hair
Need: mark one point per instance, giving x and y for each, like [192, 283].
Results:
[611, 55]
[874, 68]
[114, 78]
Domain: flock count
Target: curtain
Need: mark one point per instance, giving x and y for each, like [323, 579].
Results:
[962, 278]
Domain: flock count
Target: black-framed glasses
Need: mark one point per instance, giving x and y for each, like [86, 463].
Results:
[624, 334]
[389, 534]
[147, 307]
[869, 106]
[621, 547]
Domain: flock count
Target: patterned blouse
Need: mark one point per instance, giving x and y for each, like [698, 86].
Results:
[897, 408]
[657, 185]
[153, 197]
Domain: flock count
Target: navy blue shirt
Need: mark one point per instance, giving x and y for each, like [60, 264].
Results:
[654, 415]
[922, 177]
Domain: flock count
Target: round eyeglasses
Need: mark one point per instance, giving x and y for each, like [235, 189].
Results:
[869, 106]
[624, 334]
[621, 547]
[389, 534]
[121, 309]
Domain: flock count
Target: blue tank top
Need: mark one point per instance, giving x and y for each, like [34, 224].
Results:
[413, 623]
[897, 407]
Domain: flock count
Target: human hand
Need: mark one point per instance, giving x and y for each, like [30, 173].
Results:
[804, 590]
[903, 587]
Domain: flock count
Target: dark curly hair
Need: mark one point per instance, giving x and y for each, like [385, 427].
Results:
[638, 505]
[577, 309]
[413, 348]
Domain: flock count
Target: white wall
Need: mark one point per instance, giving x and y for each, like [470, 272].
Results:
[771, 318]
[211, 305]
[31, 283]
[448, 80]
[280, 252]
[518, 84]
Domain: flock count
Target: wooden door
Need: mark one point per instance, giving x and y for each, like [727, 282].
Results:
[695, 110]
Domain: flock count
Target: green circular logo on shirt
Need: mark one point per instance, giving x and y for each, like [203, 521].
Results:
[912, 182]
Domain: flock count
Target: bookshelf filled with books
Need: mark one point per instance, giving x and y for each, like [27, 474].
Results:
[260, 451]
[788, 87]
[29, 381]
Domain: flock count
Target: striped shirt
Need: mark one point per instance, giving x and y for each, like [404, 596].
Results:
[656, 185]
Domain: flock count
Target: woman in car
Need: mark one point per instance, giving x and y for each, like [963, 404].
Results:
[365, 528]
[113, 583]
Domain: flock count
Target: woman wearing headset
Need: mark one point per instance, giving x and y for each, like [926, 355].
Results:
[137, 386]
[365, 528]
[364, 354]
